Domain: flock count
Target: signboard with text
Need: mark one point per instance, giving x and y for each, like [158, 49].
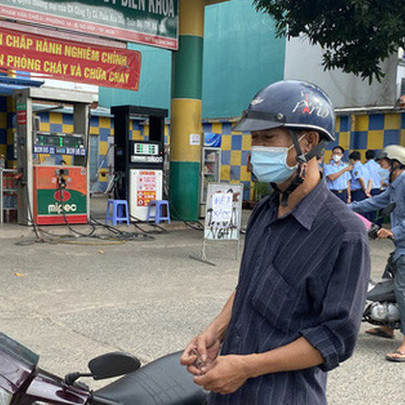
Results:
[149, 22]
[223, 211]
[68, 60]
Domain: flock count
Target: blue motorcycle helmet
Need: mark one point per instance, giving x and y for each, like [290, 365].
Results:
[291, 104]
[297, 106]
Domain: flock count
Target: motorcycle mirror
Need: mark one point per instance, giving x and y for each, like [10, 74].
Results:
[388, 209]
[113, 365]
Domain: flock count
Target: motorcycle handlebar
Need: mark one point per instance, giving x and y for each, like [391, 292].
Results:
[372, 233]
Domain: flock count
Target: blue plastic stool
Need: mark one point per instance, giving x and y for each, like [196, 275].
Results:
[120, 212]
[158, 216]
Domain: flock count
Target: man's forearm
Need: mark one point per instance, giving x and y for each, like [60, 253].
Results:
[297, 355]
[363, 185]
[334, 176]
[220, 324]
[370, 185]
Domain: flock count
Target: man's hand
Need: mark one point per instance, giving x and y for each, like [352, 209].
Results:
[225, 375]
[385, 233]
[349, 168]
[201, 352]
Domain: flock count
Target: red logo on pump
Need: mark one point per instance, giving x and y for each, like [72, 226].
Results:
[62, 196]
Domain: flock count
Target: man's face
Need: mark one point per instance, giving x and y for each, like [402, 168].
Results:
[277, 137]
[337, 152]
[384, 163]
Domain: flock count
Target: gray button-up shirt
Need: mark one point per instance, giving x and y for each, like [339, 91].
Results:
[394, 193]
[305, 274]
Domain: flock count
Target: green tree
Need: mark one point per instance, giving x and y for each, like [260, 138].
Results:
[355, 35]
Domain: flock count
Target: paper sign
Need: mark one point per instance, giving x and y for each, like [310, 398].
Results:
[194, 139]
[222, 207]
[223, 211]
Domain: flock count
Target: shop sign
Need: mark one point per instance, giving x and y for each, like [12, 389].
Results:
[150, 22]
[69, 60]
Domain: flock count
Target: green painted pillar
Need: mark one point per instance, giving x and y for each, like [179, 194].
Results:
[185, 114]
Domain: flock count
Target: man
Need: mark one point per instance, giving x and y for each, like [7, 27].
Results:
[297, 307]
[359, 179]
[395, 193]
[337, 175]
[384, 170]
[374, 179]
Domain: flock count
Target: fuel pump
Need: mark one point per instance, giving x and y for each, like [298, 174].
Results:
[52, 191]
[139, 164]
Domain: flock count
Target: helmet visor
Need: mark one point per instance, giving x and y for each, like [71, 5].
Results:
[258, 121]
[251, 124]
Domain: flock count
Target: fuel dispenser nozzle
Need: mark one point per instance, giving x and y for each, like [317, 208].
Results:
[62, 173]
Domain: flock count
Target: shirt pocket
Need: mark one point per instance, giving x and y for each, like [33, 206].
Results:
[273, 299]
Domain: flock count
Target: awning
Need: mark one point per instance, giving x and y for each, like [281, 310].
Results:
[9, 84]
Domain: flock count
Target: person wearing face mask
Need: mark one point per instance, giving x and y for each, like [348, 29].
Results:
[374, 179]
[296, 309]
[384, 169]
[395, 193]
[337, 175]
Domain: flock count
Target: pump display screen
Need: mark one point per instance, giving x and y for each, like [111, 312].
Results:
[145, 149]
[59, 140]
[59, 144]
[146, 153]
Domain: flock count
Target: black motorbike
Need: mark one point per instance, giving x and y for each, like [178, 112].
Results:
[381, 305]
[161, 382]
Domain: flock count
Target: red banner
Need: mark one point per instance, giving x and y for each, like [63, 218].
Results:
[68, 60]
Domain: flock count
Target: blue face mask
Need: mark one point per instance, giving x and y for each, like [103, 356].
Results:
[384, 174]
[269, 164]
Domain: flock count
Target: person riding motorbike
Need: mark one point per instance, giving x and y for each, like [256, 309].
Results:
[395, 193]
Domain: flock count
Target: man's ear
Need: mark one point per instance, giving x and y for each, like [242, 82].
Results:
[310, 141]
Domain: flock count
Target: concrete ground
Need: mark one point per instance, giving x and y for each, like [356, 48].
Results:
[71, 302]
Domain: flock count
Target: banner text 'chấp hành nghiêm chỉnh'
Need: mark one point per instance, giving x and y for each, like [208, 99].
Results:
[68, 60]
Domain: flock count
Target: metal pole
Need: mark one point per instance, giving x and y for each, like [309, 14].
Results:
[238, 246]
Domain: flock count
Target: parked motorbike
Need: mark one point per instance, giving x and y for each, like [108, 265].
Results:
[381, 305]
[162, 382]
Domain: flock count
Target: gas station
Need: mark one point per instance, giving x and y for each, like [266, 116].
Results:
[53, 167]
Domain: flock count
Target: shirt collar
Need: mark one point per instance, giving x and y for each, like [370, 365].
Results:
[307, 209]
[398, 180]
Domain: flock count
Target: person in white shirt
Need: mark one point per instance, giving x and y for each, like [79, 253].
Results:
[374, 180]
[337, 175]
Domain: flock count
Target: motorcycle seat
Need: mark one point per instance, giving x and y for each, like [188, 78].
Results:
[383, 291]
[161, 382]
